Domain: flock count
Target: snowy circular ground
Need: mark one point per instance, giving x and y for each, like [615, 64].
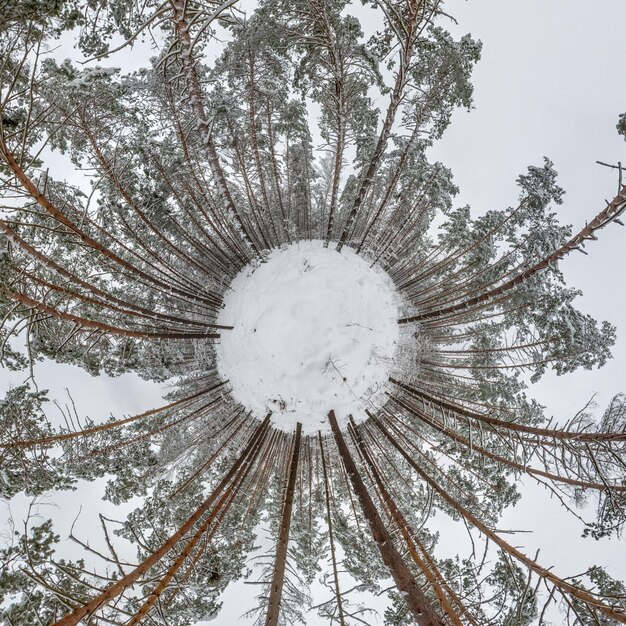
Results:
[314, 330]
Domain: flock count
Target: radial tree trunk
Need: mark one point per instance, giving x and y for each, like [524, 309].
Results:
[119, 586]
[276, 589]
[330, 534]
[415, 599]
[404, 527]
[561, 584]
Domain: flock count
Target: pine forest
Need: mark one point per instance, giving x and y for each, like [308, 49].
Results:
[237, 200]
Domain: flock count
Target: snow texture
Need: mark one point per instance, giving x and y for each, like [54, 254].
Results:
[314, 330]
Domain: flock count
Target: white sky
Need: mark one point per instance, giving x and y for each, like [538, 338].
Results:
[547, 85]
[550, 83]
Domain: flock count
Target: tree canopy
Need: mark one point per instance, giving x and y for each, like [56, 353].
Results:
[130, 201]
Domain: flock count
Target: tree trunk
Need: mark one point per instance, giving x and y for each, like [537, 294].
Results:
[118, 587]
[221, 508]
[405, 582]
[404, 527]
[561, 584]
[554, 433]
[520, 467]
[276, 589]
[330, 533]
[613, 210]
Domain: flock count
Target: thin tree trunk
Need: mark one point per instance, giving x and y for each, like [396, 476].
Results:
[118, 587]
[492, 421]
[195, 92]
[520, 467]
[394, 102]
[105, 328]
[278, 578]
[427, 557]
[32, 189]
[414, 597]
[403, 526]
[26, 443]
[96, 291]
[562, 585]
[330, 533]
[612, 211]
[223, 504]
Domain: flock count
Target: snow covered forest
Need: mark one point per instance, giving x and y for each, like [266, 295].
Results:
[238, 206]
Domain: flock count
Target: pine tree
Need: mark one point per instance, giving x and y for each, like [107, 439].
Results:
[186, 172]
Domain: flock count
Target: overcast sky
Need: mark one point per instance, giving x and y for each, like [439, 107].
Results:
[550, 83]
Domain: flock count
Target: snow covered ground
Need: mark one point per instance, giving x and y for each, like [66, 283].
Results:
[314, 330]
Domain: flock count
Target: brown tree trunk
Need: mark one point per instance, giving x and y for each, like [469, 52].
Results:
[26, 443]
[367, 176]
[404, 527]
[330, 533]
[492, 421]
[195, 94]
[105, 328]
[561, 584]
[584, 484]
[105, 297]
[414, 597]
[613, 210]
[43, 201]
[118, 587]
[222, 505]
[276, 588]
